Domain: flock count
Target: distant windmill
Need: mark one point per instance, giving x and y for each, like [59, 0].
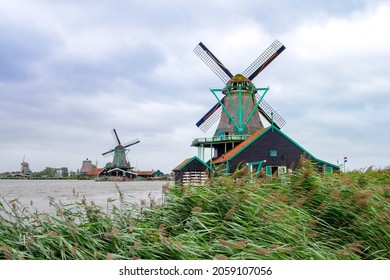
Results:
[120, 151]
[24, 167]
[238, 110]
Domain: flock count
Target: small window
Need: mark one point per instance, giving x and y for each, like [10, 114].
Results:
[273, 153]
[328, 170]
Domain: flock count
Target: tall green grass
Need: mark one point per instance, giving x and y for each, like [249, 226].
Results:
[305, 215]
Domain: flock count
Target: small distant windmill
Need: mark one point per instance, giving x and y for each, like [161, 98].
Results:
[238, 110]
[120, 151]
[25, 167]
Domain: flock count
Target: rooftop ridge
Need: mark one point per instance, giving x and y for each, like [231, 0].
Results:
[238, 148]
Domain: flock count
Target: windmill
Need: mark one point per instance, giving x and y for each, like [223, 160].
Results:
[24, 167]
[119, 152]
[237, 110]
[241, 140]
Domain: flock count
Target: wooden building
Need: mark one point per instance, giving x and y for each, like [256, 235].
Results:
[192, 171]
[241, 140]
[268, 148]
[149, 175]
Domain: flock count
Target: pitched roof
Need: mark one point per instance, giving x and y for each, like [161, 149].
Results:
[144, 173]
[188, 160]
[231, 153]
[95, 171]
[236, 150]
[122, 170]
[182, 164]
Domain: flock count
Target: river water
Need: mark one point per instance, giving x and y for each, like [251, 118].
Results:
[37, 194]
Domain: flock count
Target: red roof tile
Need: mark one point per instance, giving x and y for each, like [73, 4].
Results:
[144, 173]
[182, 164]
[238, 148]
[95, 171]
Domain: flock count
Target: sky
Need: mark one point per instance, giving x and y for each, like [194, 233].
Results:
[71, 71]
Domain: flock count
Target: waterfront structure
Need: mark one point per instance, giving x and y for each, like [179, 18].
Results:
[120, 166]
[241, 137]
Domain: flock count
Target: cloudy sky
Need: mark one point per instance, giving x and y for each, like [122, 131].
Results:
[71, 71]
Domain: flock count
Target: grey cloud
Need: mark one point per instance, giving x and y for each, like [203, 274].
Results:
[20, 50]
[72, 71]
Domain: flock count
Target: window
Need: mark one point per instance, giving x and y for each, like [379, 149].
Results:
[273, 153]
[328, 170]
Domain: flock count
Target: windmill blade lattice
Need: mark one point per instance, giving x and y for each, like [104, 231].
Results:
[227, 110]
[210, 118]
[263, 60]
[212, 62]
[270, 114]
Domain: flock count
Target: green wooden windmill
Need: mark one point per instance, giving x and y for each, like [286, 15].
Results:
[119, 153]
[241, 105]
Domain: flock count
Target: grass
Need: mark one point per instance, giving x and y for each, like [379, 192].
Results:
[306, 215]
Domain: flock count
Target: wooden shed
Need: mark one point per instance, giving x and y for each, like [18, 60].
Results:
[191, 171]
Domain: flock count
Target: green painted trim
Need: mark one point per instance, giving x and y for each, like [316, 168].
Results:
[233, 104]
[300, 147]
[268, 170]
[222, 105]
[257, 104]
[201, 161]
[275, 129]
[328, 170]
[248, 101]
[237, 108]
[249, 143]
[260, 165]
[227, 169]
[240, 116]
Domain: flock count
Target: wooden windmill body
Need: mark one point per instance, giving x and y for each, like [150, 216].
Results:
[238, 111]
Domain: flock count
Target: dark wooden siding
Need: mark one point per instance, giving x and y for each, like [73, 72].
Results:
[288, 154]
[193, 165]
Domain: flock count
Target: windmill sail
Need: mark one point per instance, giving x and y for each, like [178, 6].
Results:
[210, 118]
[212, 62]
[263, 60]
[115, 136]
[108, 152]
[236, 110]
[270, 114]
[131, 143]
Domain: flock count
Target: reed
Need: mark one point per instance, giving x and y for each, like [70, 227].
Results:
[306, 215]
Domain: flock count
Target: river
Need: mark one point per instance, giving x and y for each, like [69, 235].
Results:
[37, 194]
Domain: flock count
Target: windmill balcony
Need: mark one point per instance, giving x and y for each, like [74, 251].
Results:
[218, 139]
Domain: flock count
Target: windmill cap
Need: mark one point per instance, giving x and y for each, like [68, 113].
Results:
[238, 79]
